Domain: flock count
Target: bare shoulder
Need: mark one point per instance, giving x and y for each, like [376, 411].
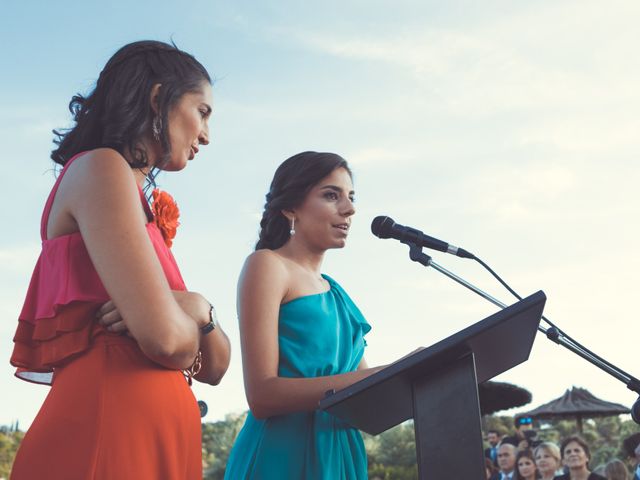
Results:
[265, 263]
[265, 269]
[102, 166]
[105, 177]
[95, 183]
[266, 259]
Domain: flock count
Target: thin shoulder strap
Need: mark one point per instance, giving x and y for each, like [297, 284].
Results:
[52, 196]
[145, 205]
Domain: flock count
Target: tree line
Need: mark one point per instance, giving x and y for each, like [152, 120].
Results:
[391, 454]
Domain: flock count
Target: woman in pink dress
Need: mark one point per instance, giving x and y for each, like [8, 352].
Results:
[107, 320]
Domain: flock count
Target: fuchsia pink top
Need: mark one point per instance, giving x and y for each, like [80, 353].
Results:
[57, 319]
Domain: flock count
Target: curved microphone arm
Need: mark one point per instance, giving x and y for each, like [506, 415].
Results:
[553, 333]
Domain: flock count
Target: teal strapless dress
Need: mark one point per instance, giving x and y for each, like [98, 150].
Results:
[318, 335]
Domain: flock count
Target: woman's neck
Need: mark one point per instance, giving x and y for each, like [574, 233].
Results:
[303, 256]
[579, 473]
[140, 175]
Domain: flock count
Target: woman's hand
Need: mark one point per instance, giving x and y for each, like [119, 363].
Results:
[215, 347]
[193, 304]
[109, 317]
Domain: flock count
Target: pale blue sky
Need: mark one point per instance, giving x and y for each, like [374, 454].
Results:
[507, 127]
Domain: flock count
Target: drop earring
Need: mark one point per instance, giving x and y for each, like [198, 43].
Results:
[292, 232]
[156, 126]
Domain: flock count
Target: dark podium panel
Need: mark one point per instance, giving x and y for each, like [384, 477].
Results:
[438, 388]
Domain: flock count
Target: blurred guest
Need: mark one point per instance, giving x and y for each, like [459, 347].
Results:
[525, 466]
[506, 462]
[489, 468]
[631, 446]
[576, 457]
[616, 470]
[548, 461]
[524, 434]
[493, 437]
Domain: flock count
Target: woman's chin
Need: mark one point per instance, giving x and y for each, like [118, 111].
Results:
[340, 243]
[175, 165]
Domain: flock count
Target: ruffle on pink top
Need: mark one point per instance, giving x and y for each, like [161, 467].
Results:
[57, 321]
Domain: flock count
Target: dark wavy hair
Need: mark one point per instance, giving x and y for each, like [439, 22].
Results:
[117, 113]
[291, 183]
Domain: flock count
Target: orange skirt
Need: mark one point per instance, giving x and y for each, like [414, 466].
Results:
[113, 414]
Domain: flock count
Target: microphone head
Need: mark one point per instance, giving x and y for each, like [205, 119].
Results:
[382, 226]
[635, 411]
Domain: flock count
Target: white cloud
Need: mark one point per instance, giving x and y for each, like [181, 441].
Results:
[525, 60]
[375, 155]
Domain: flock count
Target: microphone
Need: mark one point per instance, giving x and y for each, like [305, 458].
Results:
[385, 227]
[635, 411]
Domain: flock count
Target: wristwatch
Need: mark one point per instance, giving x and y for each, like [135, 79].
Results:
[213, 321]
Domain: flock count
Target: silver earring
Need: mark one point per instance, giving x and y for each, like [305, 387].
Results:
[156, 126]
[292, 232]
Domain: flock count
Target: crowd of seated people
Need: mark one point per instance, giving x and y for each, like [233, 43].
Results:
[520, 456]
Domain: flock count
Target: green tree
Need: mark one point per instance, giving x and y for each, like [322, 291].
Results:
[398, 446]
[392, 454]
[9, 443]
[501, 424]
[217, 440]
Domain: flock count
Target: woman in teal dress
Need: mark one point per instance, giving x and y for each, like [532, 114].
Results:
[301, 334]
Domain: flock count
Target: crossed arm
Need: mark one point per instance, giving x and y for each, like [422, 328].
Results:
[98, 197]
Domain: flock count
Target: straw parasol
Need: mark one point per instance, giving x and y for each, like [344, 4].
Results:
[496, 396]
[577, 403]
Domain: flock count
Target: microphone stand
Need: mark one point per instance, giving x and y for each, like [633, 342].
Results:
[552, 333]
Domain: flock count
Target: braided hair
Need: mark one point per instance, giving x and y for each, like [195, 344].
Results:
[117, 113]
[293, 180]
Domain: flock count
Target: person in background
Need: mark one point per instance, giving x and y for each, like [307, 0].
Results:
[489, 468]
[548, 460]
[525, 466]
[631, 447]
[522, 438]
[576, 456]
[599, 470]
[493, 438]
[107, 320]
[616, 470]
[506, 462]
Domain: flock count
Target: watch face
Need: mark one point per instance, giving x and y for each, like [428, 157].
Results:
[213, 318]
[203, 408]
[208, 328]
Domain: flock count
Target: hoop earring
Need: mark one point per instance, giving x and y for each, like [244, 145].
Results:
[156, 126]
[292, 232]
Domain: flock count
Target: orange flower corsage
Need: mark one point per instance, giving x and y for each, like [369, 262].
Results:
[165, 214]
